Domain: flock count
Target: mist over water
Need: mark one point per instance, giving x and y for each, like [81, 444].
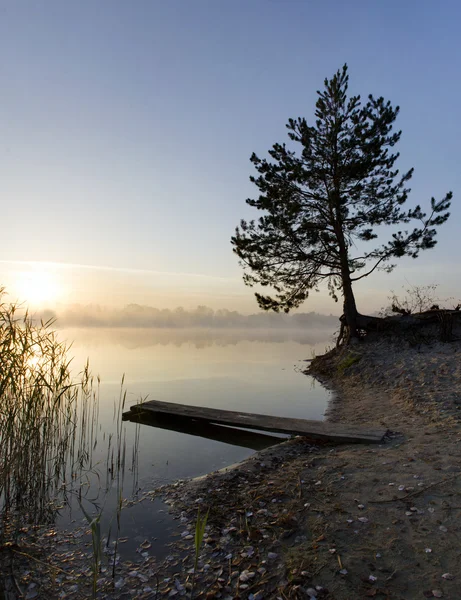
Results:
[140, 316]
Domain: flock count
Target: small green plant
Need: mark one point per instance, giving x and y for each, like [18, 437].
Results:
[200, 526]
[95, 526]
[348, 361]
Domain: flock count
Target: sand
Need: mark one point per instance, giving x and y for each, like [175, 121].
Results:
[347, 521]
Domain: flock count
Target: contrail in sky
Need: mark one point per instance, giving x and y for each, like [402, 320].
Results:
[109, 268]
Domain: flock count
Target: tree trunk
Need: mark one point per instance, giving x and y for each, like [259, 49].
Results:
[350, 308]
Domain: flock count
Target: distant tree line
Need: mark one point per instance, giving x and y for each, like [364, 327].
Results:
[136, 315]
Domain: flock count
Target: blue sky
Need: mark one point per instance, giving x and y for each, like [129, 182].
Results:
[126, 129]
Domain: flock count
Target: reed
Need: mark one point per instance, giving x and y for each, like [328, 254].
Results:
[40, 405]
[95, 527]
[49, 431]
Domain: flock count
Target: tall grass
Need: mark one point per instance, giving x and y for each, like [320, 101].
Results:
[40, 405]
[49, 428]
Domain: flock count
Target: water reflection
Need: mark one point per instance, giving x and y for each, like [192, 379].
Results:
[254, 371]
[254, 375]
[209, 431]
[199, 338]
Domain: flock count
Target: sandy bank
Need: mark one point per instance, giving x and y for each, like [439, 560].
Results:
[347, 521]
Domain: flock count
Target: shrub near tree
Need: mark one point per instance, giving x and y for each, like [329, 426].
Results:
[327, 199]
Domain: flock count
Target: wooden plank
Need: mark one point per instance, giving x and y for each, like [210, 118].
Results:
[317, 430]
[219, 433]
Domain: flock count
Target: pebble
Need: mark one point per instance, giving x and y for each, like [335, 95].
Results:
[246, 576]
[248, 552]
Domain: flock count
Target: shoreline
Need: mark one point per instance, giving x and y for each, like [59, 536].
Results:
[399, 486]
[333, 522]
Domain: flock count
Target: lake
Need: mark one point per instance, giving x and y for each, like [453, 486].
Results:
[250, 370]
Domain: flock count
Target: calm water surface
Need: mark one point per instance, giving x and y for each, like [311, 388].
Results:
[253, 371]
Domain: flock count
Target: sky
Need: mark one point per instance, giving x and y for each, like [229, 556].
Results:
[126, 130]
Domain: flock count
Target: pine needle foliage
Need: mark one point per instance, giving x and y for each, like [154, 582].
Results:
[324, 197]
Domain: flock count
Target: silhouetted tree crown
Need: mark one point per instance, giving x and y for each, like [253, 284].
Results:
[335, 191]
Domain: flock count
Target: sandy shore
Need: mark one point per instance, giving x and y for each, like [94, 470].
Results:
[345, 522]
[331, 522]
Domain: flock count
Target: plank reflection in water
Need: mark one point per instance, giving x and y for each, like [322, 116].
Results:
[226, 435]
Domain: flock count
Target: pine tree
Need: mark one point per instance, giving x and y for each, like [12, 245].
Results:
[319, 205]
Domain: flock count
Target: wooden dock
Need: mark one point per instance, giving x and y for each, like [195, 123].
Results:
[204, 429]
[315, 430]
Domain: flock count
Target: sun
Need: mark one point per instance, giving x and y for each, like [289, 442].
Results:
[37, 287]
